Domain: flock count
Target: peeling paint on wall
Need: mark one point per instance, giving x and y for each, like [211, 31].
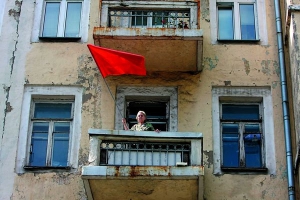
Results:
[89, 77]
[265, 64]
[83, 157]
[210, 63]
[205, 10]
[274, 84]
[61, 179]
[16, 12]
[246, 65]
[266, 67]
[276, 68]
[209, 158]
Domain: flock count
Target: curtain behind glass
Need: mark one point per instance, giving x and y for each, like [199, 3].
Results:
[247, 22]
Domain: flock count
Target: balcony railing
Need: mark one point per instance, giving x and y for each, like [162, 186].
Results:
[120, 153]
[149, 18]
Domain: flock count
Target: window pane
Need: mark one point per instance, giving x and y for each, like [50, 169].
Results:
[139, 18]
[225, 26]
[60, 144]
[247, 22]
[39, 142]
[230, 138]
[73, 20]
[51, 19]
[252, 141]
[158, 19]
[240, 112]
[52, 110]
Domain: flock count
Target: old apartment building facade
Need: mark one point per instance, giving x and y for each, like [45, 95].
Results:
[213, 87]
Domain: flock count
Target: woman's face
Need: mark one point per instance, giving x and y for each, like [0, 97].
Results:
[140, 117]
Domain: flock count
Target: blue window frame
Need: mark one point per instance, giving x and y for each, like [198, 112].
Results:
[51, 125]
[241, 129]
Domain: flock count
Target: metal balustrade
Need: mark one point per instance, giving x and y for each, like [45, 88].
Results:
[149, 18]
[144, 153]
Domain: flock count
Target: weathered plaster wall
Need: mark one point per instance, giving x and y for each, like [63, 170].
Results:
[14, 45]
[224, 65]
[145, 189]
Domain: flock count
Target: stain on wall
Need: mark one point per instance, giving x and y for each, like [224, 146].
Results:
[246, 65]
[210, 63]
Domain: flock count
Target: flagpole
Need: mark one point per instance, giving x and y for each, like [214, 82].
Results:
[114, 100]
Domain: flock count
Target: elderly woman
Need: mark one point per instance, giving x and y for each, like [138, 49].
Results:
[142, 125]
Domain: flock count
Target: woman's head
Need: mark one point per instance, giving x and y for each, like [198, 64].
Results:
[141, 117]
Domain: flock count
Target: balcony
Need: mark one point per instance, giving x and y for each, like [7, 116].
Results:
[144, 165]
[167, 34]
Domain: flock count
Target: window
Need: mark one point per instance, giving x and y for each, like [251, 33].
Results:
[61, 19]
[243, 130]
[50, 129]
[237, 20]
[50, 136]
[157, 112]
[159, 103]
[242, 136]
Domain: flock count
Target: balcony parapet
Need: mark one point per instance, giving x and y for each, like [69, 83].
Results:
[147, 33]
[138, 164]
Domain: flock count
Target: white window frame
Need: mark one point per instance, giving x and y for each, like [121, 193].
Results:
[192, 6]
[54, 93]
[170, 92]
[247, 95]
[260, 20]
[39, 19]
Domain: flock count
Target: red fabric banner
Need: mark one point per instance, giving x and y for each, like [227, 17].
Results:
[114, 63]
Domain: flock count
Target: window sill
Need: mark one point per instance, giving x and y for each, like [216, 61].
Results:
[239, 41]
[42, 168]
[60, 39]
[240, 169]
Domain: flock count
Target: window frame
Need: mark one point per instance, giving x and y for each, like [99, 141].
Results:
[52, 94]
[39, 16]
[260, 21]
[51, 122]
[246, 95]
[62, 17]
[241, 124]
[138, 93]
[237, 32]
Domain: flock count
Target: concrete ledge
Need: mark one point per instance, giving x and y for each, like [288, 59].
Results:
[141, 171]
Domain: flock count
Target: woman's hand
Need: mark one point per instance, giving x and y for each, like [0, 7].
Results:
[157, 130]
[125, 124]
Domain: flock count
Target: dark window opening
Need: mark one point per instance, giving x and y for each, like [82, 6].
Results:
[156, 111]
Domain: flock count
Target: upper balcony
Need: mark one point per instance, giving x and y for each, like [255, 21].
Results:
[166, 33]
[133, 160]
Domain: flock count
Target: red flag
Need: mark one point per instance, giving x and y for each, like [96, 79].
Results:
[112, 62]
